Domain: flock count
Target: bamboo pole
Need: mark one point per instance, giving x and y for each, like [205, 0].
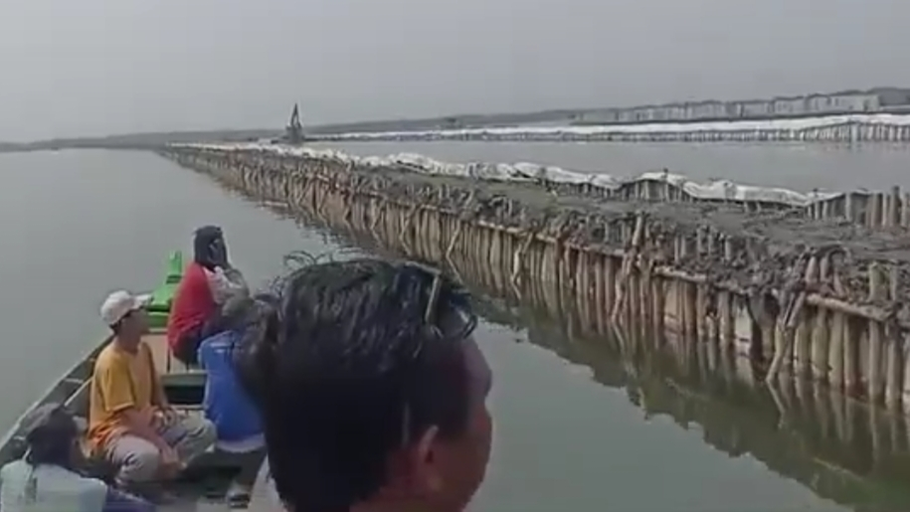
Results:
[894, 206]
[701, 311]
[610, 283]
[688, 298]
[789, 318]
[581, 293]
[659, 297]
[875, 385]
[820, 337]
[644, 296]
[875, 210]
[849, 208]
[836, 352]
[894, 346]
[679, 252]
[600, 306]
[886, 210]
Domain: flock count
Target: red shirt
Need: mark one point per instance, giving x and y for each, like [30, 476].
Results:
[193, 304]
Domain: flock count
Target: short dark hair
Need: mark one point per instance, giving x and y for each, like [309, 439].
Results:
[50, 431]
[349, 361]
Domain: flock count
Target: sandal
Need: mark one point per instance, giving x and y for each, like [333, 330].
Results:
[238, 500]
[237, 497]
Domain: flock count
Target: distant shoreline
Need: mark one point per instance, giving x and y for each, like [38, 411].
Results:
[875, 100]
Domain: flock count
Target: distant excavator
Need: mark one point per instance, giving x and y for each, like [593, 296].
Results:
[293, 132]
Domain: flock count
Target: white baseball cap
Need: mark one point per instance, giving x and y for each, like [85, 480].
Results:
[120, 303]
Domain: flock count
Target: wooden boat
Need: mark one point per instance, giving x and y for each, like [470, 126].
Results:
[203, 487]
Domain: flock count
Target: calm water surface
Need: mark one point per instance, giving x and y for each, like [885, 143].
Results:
[581, 423]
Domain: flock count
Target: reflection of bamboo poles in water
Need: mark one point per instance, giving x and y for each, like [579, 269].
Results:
[798, 428]
[634, 278]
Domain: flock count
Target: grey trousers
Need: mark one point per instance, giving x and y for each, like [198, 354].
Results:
[138, 461]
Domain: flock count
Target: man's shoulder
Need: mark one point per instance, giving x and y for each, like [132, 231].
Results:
[108, 357]
[12, 469]
[92, 484]
[145, 348]
[53, 475]
[217, 343]
[112, 357]
[226, 337]
[61, 474]
[194, 273]
[193, 277]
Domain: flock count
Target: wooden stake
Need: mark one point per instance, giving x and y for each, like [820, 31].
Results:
[820, 337]
[875, 385]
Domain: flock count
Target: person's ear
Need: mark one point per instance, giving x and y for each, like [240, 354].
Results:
[425, 461]
[415, 468]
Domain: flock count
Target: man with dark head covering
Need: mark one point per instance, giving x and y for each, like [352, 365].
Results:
[209, 249]
[209, 281]
[46, 479]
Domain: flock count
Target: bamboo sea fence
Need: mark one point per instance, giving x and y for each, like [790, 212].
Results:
[833, 129]
[803, 287]
[841, 449]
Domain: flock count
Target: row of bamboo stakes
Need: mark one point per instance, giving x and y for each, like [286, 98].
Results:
[850, 132]
[797, 428]
[852, 348]
[707, 384]
[871, 209]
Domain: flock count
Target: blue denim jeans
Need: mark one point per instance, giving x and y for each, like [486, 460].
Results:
[118, 501]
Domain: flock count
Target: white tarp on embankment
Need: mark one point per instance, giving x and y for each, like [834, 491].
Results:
[715, 190]
[796, 125]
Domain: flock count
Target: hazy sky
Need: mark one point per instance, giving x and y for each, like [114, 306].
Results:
[92, 67]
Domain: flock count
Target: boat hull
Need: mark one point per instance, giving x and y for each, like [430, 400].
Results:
[183, 386]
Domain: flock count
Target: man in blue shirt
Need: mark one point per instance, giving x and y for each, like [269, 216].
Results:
[228, 406]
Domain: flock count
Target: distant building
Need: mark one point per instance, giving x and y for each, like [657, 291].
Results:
[845, 102]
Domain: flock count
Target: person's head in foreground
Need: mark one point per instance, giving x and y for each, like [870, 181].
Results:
[125, 314]
[372, 390]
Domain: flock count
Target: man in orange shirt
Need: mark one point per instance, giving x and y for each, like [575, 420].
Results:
[130, 420]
